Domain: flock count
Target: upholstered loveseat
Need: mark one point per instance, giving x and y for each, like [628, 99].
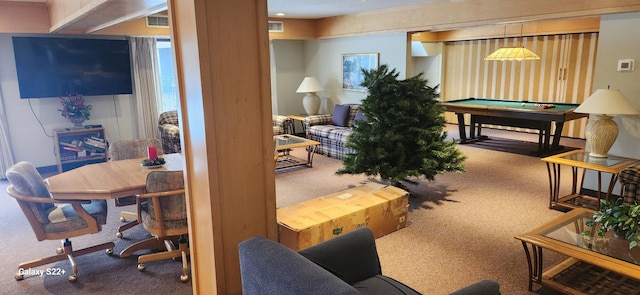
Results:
[169, 130]
[347, 264]
[332, 130]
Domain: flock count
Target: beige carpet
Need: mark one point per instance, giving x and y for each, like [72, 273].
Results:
[461, 226]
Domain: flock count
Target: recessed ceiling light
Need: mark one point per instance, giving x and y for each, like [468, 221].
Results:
[280, 14]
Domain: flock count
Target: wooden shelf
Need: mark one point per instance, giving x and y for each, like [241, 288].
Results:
[573, 276]
[79, 147]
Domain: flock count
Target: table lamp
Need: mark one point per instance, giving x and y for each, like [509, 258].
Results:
[311, 101]
[601, 130]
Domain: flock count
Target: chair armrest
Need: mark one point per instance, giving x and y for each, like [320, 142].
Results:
[267, 267]
[353, 256]
[484, 287]
[155, 199]
[12, 192]
[169, 129]
[318, 120]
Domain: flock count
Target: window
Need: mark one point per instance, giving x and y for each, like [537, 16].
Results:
[169, 93]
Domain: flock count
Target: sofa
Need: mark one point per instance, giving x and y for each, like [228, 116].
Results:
[346, 264]
[332, 130]
[169, 130]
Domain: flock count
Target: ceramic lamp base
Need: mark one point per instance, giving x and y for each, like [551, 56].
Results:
[311, 103]
[601, 133]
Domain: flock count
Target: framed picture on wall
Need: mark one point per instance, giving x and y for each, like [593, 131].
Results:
[352, 66]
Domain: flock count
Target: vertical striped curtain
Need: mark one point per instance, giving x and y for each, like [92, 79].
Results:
[146, 77]
[6, 154]
[564, 73]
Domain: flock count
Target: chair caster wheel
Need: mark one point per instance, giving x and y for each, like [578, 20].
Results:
[73, 278]
[59, 250]
[119, 235]
[109, 251]
[141, 267]
[19, 277]
[123, 219]
[184, 278]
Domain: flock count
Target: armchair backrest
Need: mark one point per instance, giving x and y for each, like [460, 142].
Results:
[135, 148]
[270, 268]
[168, 117]
[27, 181]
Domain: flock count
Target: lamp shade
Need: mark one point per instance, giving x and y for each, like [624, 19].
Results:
[511, 54]
[606, 101]
[309, 84]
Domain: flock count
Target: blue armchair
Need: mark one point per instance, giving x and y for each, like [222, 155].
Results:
[347, 264]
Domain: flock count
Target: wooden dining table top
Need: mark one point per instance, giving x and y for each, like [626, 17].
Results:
[108, 180]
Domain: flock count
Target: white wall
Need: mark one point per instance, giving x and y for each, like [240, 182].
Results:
[324, 61]
[31, 121]
[619, 38]
[290, 71]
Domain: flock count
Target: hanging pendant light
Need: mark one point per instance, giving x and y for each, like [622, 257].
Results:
[512, 53]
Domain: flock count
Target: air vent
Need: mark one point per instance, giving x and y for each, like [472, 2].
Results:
[276, 26]
[158, 21]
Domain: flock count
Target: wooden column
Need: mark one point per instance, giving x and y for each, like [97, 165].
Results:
[222, 56]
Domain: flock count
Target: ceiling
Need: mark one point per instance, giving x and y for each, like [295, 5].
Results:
[313, 9]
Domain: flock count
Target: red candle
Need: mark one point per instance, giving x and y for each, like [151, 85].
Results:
[152, 153]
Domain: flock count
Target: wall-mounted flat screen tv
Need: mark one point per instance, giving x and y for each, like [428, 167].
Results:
[55, 67]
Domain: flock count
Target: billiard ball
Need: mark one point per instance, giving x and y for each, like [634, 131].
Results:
[523, 104]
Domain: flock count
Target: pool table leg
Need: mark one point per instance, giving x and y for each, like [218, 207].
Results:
[461, 128]
[557, 134]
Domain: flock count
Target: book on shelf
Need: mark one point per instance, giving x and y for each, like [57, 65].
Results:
[74, 149]
[66, 155]
[95, 143]
[68, 158]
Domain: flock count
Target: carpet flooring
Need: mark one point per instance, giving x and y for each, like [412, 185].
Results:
[461, 229]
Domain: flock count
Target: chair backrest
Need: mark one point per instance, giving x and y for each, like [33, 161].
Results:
[168, 117]
[168, 212]
[27, 181]
[135, 148]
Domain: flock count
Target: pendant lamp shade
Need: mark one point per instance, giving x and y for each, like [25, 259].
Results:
[512, 54]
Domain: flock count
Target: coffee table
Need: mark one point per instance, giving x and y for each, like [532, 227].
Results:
[284, 144]
[595, 265]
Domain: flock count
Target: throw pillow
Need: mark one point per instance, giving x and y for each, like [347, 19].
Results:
[359, 116]
[340, 115]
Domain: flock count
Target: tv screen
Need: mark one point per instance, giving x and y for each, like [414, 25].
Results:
[54, 67]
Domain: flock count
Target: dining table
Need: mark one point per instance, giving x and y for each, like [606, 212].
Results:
[108, 180]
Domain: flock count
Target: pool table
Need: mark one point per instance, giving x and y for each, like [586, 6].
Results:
[523, 114]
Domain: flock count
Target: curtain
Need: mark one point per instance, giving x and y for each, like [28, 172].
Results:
[144, 60]
[6, 155]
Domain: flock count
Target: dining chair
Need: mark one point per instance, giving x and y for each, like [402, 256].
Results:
[130, 149]
[53, 219]
[162, 211]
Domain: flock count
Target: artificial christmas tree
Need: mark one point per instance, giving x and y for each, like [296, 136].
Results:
[402, 135]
